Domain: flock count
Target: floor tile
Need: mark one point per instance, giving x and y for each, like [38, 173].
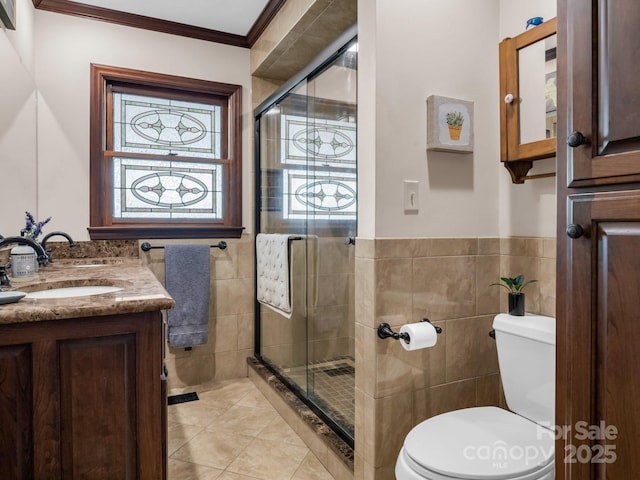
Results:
[197, 413]
[280, 431]
[233, 433]
[179, 470]
[311, 469]
[268, 460]
[213, 449]
[178, 434]
[243, 420]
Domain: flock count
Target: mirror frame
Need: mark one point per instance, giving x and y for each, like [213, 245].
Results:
[518, 157]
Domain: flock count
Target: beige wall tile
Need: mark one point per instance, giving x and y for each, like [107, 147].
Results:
[365, 247]
[444, 287]
[190, 370]
[394, 247]
[365, 293]
[453, 246]
[246, 329]
[470, 350]
[393, 287]
[225, 334]
[451, 396]
[488, 390]
[384, 428]
[487, 296]
[488, 246]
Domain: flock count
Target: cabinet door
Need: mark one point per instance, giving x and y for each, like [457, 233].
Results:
[602, 100]
[599, 340]
[16, 438]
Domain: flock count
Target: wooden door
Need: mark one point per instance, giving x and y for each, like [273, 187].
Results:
[603, 95]
[599, 340]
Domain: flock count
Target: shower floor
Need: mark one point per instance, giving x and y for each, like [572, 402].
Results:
[331, 386]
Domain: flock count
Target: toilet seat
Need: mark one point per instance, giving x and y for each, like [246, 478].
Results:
[493, 444]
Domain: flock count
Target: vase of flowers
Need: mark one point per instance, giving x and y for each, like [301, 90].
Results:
[515, 286]
[24, 261]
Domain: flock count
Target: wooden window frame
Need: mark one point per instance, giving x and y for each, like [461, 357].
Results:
[102, 224]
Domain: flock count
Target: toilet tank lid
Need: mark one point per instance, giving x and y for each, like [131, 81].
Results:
[535, 327]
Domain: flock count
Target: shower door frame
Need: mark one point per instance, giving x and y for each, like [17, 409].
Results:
[338, 47]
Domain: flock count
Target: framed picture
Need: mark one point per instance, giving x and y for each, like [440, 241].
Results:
[449, 124]
[8, 13]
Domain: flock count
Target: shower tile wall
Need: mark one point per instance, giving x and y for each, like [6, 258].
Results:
[400, 281]
[331, 318]
[231, 318]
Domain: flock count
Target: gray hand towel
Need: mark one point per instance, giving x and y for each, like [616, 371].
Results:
[187, 281]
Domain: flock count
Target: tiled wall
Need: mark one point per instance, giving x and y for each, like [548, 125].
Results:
[328, 273]
[231, 318]
[400, 281]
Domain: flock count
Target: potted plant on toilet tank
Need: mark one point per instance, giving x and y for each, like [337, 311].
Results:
[515, 286]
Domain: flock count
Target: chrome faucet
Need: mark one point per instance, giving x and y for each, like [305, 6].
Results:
[41, 253]
[53, 234]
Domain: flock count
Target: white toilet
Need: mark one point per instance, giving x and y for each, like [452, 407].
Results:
[491, 443]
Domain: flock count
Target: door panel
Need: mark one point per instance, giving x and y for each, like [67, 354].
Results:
[599, 339]
[16, 441]
[602, 38]
[98, 407]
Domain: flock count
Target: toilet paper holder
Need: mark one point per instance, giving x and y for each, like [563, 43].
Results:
[385, 331]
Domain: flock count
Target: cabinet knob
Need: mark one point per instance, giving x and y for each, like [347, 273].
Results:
[575, 231]
[508, 98]
[575, 139]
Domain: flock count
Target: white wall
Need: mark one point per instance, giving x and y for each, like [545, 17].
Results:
[408, 50]
[65, 46]
[18, 100]
[528, 209]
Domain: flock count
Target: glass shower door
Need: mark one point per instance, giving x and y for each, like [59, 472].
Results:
[308, 183]
[331, 219]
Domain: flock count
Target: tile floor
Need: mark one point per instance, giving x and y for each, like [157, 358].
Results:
[233, 433]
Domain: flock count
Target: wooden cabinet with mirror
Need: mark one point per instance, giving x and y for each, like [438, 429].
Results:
[528, 100]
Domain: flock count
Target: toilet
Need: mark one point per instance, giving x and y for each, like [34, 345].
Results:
[490, 443]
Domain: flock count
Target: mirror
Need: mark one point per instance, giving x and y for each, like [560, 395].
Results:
[537, 88]
[528, 111]
[18, 142]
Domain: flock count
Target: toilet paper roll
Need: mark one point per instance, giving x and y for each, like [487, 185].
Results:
[421, 335]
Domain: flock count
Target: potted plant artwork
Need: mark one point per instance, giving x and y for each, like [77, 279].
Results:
[515, 286]
[455, 120]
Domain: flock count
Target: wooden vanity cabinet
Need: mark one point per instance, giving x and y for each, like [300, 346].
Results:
[83, 398]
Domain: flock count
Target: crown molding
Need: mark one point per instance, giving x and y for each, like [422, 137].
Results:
[69, 7]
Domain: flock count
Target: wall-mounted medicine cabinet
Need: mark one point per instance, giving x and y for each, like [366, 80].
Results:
[528, 100]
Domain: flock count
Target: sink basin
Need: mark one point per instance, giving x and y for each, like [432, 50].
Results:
[67, 292]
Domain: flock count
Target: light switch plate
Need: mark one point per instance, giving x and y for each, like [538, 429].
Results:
[411, 196]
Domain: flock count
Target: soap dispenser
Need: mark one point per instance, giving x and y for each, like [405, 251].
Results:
[23, 263]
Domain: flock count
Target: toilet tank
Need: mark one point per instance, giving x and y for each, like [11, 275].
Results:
[527, 358]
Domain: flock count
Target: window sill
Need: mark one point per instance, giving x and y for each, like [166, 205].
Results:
[138, 232]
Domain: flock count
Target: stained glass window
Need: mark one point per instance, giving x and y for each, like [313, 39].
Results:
[166, 156]
[161, 125]
[166, 189]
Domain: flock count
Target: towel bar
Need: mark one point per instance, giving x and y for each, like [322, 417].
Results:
[146, 246]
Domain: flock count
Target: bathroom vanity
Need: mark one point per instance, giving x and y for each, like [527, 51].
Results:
[82, 393]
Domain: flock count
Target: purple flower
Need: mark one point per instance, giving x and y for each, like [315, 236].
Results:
[32, 228]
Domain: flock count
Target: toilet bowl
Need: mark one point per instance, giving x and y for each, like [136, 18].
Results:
[491, 443]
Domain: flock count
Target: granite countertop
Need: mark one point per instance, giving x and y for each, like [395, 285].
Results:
[141, 291]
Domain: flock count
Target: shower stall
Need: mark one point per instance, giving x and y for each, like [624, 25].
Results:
[306, 185]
